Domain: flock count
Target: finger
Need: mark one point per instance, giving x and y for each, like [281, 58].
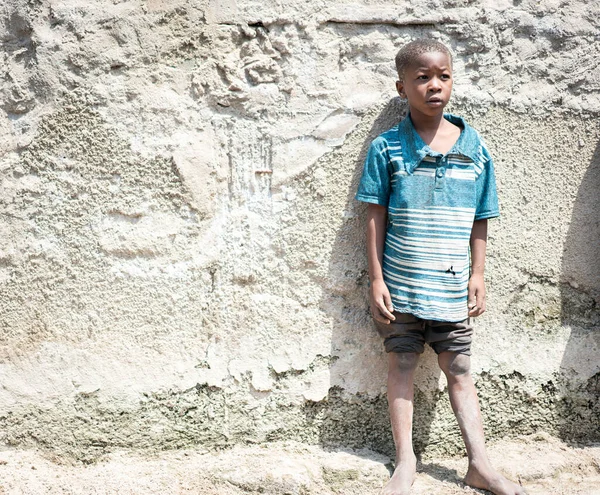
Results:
[481, 307]
[383, 320]
[380, 318]
[480, 304]
[477, 311]
[384, 311]
[389, 307]
[471, 299]
[473, 312]
[473, 306]
[471, 295]
[377, 316]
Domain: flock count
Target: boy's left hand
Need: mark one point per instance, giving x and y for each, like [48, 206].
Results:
[476, 298]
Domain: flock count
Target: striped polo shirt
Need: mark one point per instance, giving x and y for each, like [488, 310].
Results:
[432, 200]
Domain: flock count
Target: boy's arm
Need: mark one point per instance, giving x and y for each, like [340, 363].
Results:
[476, 302]
[381, 302]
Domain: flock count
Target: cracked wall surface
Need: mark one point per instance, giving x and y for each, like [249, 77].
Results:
[181, 257]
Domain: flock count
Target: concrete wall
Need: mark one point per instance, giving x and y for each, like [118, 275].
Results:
[181, 258]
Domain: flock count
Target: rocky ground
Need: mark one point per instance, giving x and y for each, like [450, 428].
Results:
[543, 464]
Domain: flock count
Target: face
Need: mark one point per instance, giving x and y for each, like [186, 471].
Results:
[427, 83]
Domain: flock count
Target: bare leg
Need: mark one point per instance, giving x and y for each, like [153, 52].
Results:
[465, 405]
[400, 392]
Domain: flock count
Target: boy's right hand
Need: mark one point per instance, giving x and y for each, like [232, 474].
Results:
[381, 302]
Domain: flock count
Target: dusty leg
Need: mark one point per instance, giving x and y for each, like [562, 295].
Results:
[400, 394]
[465, 405]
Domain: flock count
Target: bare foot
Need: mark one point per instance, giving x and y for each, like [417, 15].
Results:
[402, 479]
[488, 479]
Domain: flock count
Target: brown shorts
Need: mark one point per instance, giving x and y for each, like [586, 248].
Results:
[407, 333]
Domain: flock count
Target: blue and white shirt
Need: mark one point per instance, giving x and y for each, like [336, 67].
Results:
[432, 201]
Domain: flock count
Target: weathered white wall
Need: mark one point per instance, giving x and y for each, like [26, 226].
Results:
[181, 257]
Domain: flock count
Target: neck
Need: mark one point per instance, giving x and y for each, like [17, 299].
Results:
[426, 123]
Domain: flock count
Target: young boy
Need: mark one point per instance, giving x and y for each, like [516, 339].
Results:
[429, 182]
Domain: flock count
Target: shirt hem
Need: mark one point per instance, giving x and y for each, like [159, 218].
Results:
[487, 216]
[425, 316]
[372, 200]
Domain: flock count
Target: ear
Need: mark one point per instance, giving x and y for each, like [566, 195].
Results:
[400, 89]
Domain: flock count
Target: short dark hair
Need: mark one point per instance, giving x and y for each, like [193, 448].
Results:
[409, 53]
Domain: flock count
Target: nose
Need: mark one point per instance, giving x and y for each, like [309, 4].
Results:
[435, 84]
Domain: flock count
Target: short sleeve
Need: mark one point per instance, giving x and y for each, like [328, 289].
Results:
[374, 186]
[485, 183]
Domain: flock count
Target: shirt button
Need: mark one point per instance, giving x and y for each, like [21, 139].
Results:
[440, 173]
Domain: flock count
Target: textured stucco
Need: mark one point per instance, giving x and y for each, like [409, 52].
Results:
[181, 257]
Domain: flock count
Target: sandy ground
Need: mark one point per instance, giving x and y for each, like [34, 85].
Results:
[543, 464]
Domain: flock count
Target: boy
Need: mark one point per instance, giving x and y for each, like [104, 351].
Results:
[429, 182]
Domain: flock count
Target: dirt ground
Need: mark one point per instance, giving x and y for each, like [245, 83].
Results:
[543, 464]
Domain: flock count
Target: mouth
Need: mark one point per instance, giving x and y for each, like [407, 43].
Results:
[435, 101]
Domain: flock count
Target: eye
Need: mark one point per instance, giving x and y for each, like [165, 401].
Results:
[446, 76]
[423, 77]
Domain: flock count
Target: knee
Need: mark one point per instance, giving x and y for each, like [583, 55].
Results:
[403, 361]
[454, 365]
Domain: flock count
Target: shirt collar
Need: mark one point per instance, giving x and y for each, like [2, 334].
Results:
[414, 149]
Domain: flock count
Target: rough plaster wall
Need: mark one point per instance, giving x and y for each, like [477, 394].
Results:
[181, 257]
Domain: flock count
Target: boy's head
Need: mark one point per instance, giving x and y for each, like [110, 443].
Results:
[409, 54]
[425, 76]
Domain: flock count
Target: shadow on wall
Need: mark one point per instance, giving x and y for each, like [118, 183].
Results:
[579, 408]
[349, 416]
